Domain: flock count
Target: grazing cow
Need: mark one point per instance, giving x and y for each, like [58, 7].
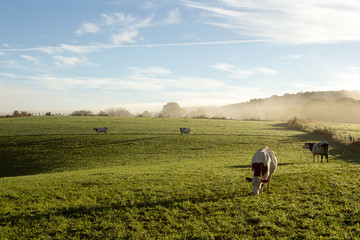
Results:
[98, 130]
[185, 130]
[264, 164]
[321, 149]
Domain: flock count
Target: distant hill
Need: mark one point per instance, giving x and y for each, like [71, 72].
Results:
[334, 106]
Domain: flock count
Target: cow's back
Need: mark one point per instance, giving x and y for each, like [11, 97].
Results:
[267, 157]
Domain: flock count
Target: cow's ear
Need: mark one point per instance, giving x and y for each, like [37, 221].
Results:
[248, 179]
[264, 181]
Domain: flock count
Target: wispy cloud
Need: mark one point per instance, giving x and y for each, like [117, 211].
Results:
[87, 28]
[236, 72]
[69, 61]
[127, 36]
[120, 27]
[264, 70]
[138, 79]
[173, 18]
[297, 22]
[97, 47]
[8, 75]
[31, 59]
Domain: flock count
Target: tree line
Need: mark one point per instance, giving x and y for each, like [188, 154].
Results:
[170, 110]
[334, 106]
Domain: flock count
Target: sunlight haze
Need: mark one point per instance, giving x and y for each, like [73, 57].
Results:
[62, 56]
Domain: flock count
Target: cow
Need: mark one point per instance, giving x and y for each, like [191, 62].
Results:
[263, 164]
[98, 130]
[185, 130]
[321, 149]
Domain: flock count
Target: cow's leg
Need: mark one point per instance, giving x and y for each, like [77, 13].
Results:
[314, 157]
[268, 185]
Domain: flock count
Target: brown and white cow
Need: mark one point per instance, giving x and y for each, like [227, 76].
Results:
[264, 164]
[98, 130]
[321, 149]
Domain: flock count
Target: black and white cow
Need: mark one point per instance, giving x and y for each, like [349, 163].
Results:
[264, 164]
[98, 130]
[321, 149]
[185, 130]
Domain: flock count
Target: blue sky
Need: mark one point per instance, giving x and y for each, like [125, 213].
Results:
[62, 56]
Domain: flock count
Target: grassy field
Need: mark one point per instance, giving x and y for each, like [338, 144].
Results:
[59, 180]
[343, 129]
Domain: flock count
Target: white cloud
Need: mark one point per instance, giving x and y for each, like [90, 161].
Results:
[150, 71]
[116, 19]
[69, 61]
[31, 59]
[87, 28]
[241, 73]
[224, 66]
[264, 70]
[297, 22]
[122, 28]
[173, 18]
[8, 75]
[234, 72]
[124, 37]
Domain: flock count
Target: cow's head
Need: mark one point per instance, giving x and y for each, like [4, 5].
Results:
[257, 183]
[306, 145]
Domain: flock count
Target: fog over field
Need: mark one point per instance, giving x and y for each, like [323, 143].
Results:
[335, 106]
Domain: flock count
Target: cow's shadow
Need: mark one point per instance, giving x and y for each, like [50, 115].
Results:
[249, 166]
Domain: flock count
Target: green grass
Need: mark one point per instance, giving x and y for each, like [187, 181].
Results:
[58, 179]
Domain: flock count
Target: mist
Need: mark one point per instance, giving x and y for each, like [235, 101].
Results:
[331, 106]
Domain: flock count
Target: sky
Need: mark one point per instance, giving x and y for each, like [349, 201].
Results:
[62, 56]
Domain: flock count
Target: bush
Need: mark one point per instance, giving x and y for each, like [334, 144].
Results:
[299, 124]
[326, 132]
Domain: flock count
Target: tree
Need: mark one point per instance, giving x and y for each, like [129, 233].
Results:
[145, 114]
[118, 112]
[172, 110]
[82, 113]
[102, 113]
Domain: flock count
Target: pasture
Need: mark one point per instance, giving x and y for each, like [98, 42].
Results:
[59, 179]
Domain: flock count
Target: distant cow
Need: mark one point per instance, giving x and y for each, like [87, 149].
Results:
[321, 149]
[185, 130]
[264, 164]
[103, 129]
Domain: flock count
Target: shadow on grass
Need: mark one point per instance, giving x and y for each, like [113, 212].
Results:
[29, 155]
[249, 166]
